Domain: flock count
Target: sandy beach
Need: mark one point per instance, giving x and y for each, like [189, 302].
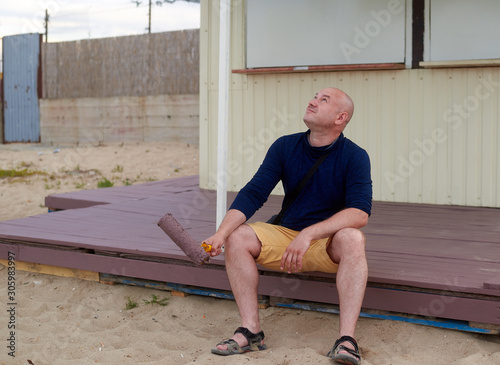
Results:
[62, 320]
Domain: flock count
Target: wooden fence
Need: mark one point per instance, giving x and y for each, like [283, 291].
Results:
[140, 65]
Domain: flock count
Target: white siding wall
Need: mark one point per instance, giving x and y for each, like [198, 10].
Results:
[432, 134]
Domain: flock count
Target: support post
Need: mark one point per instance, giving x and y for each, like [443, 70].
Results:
[223, 107]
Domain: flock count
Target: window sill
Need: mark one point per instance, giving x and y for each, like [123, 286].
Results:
[360, 67]
[460, 63]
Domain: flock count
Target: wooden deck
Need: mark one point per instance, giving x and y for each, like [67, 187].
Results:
[424, 260]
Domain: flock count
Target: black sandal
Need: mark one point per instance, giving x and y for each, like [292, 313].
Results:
[351, 358]
[254, 343]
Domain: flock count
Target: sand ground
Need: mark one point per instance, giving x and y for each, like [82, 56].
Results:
[71, 321]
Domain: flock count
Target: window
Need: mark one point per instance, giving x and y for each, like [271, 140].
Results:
[462, 30]
[299, 33]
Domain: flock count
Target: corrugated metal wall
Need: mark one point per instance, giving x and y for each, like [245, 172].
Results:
[1, 107]
[432, 134]
[21, 60]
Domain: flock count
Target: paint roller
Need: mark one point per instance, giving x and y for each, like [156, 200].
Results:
[196, 253]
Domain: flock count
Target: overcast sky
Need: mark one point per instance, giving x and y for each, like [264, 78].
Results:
[84, 19]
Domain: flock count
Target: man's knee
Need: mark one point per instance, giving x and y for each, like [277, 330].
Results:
[238, 235]
[347, 242]
[351, 237]
[243, 238]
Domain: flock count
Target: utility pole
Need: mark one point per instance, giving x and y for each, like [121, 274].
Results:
[46, 26]
[149, 27]
[159, 2]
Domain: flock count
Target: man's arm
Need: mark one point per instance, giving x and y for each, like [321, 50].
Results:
[347, 218]
[249, 199]
[233, 219]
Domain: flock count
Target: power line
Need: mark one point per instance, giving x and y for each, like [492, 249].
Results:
[158, 3]
[72, 21]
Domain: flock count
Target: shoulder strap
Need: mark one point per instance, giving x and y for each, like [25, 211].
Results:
[295, 193]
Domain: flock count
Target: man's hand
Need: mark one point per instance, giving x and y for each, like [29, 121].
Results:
[292, 258]
[217, 242]
[347, 218]
[232, 220]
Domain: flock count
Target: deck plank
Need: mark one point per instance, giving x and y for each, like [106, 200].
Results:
[425, 247]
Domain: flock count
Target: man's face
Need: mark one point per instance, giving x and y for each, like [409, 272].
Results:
[323, 109]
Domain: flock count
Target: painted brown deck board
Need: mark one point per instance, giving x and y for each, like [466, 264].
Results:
[425, 247]
[139, 212]
[86, 198]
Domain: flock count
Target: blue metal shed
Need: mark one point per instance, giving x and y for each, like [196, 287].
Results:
[21, 73]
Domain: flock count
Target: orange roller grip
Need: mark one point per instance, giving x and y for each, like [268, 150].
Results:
[206, 247]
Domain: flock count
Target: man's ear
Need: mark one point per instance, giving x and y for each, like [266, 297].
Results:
[342, 118]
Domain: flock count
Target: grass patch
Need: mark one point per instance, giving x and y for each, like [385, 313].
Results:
[117, 168]
[156, 300]
[104, 183]
[131, 304]
[19, 173]
[57, 185]
[79, 185]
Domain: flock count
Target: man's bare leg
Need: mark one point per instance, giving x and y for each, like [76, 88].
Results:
[348, 250]
[241, 250]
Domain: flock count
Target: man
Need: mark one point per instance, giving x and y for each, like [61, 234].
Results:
[318, 232]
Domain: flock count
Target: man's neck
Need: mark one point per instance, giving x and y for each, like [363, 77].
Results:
[320, 140]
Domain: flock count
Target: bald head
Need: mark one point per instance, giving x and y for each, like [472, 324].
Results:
[328, 113]
[344, 102]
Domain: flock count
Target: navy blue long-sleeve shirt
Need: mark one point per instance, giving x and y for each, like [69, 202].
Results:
[342, 181]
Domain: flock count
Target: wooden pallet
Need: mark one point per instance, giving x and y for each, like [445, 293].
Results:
[424, 260]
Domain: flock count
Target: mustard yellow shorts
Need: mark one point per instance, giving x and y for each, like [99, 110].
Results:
[275, 240]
